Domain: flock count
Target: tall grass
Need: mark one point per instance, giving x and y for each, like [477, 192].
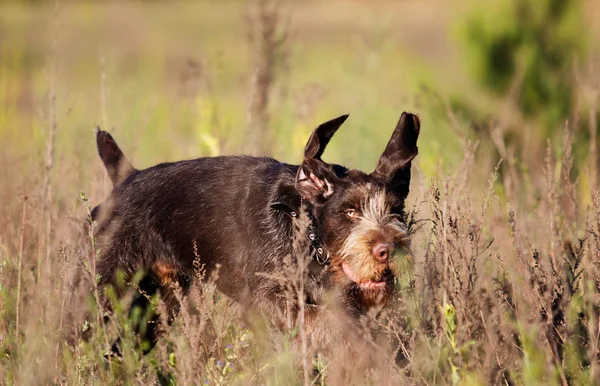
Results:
[497, 295]
[504, 279]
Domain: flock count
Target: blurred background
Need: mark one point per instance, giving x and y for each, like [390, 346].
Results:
[175, 80]
[510, 80]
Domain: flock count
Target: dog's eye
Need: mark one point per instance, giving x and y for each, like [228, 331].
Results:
[350, 213]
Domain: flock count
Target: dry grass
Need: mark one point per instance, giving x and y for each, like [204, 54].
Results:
[501, 293]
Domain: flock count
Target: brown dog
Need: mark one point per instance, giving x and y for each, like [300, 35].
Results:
[239, 213]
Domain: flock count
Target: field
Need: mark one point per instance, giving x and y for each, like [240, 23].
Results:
[505, 287]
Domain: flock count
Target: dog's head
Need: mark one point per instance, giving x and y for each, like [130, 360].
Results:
[361, 216]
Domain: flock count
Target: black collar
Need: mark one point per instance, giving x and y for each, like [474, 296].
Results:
[319, 254]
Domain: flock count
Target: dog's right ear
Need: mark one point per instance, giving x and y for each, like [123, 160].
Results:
[394, 164]
[316, 179]
[117, 166]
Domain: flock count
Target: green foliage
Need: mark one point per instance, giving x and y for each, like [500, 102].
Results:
[534, 361]
[530, 45]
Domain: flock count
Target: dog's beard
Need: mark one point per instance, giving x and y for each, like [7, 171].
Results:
[368, 295]
[357, 261]
[375, 280]
[372, 282]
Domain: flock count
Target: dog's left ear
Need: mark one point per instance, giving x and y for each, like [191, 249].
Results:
[394, 164]
[315, 179]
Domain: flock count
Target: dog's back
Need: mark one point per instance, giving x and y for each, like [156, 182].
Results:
[174, 216]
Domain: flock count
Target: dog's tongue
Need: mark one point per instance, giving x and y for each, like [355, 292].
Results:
[363, 284]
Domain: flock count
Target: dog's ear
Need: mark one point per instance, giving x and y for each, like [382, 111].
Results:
[393, 166]
[315, 178]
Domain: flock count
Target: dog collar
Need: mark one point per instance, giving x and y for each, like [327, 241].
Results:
[319, 254]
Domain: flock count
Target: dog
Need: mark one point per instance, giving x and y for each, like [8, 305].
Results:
[239, 215]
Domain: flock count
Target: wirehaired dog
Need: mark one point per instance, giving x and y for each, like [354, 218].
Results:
[237, 215]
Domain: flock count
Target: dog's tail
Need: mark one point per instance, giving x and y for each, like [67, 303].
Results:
[117, 166]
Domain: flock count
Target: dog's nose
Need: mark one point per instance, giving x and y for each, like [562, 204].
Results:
[382, 252]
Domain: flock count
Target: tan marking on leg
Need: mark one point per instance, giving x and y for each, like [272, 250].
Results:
[165, 272]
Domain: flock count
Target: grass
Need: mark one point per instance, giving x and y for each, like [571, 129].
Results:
[506, 276]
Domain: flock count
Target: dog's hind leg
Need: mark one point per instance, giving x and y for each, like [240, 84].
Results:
[143, 313]
[143, 316]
